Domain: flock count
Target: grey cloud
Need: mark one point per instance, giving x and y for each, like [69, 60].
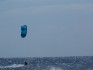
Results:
[49, 10]
[53, 30]
[13, 4]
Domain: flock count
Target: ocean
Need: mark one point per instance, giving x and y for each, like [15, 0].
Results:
[47, 63]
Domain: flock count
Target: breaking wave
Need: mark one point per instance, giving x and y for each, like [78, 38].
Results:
[55, 68]
[13, 66]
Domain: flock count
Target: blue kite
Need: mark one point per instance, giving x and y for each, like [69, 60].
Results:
[23, 31]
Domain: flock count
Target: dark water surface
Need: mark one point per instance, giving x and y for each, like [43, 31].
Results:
[47, 63]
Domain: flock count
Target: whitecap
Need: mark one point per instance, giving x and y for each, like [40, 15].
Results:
[12, 66]
[55, 68]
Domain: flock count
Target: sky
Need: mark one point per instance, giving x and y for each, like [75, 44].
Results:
[56, 28]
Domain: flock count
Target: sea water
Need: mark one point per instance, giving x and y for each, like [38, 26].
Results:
[47, 63]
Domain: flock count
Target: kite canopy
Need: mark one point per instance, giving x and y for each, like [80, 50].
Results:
[23, 31]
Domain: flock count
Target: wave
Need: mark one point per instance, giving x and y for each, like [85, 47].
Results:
[55, 68]
[13, 66]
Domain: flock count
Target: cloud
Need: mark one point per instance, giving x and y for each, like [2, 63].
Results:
[56, 28]
[56, 9]
[14, 4]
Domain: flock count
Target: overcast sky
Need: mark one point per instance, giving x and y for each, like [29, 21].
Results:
[55, 28]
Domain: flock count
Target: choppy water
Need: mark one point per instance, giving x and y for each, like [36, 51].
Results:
[47, 63]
